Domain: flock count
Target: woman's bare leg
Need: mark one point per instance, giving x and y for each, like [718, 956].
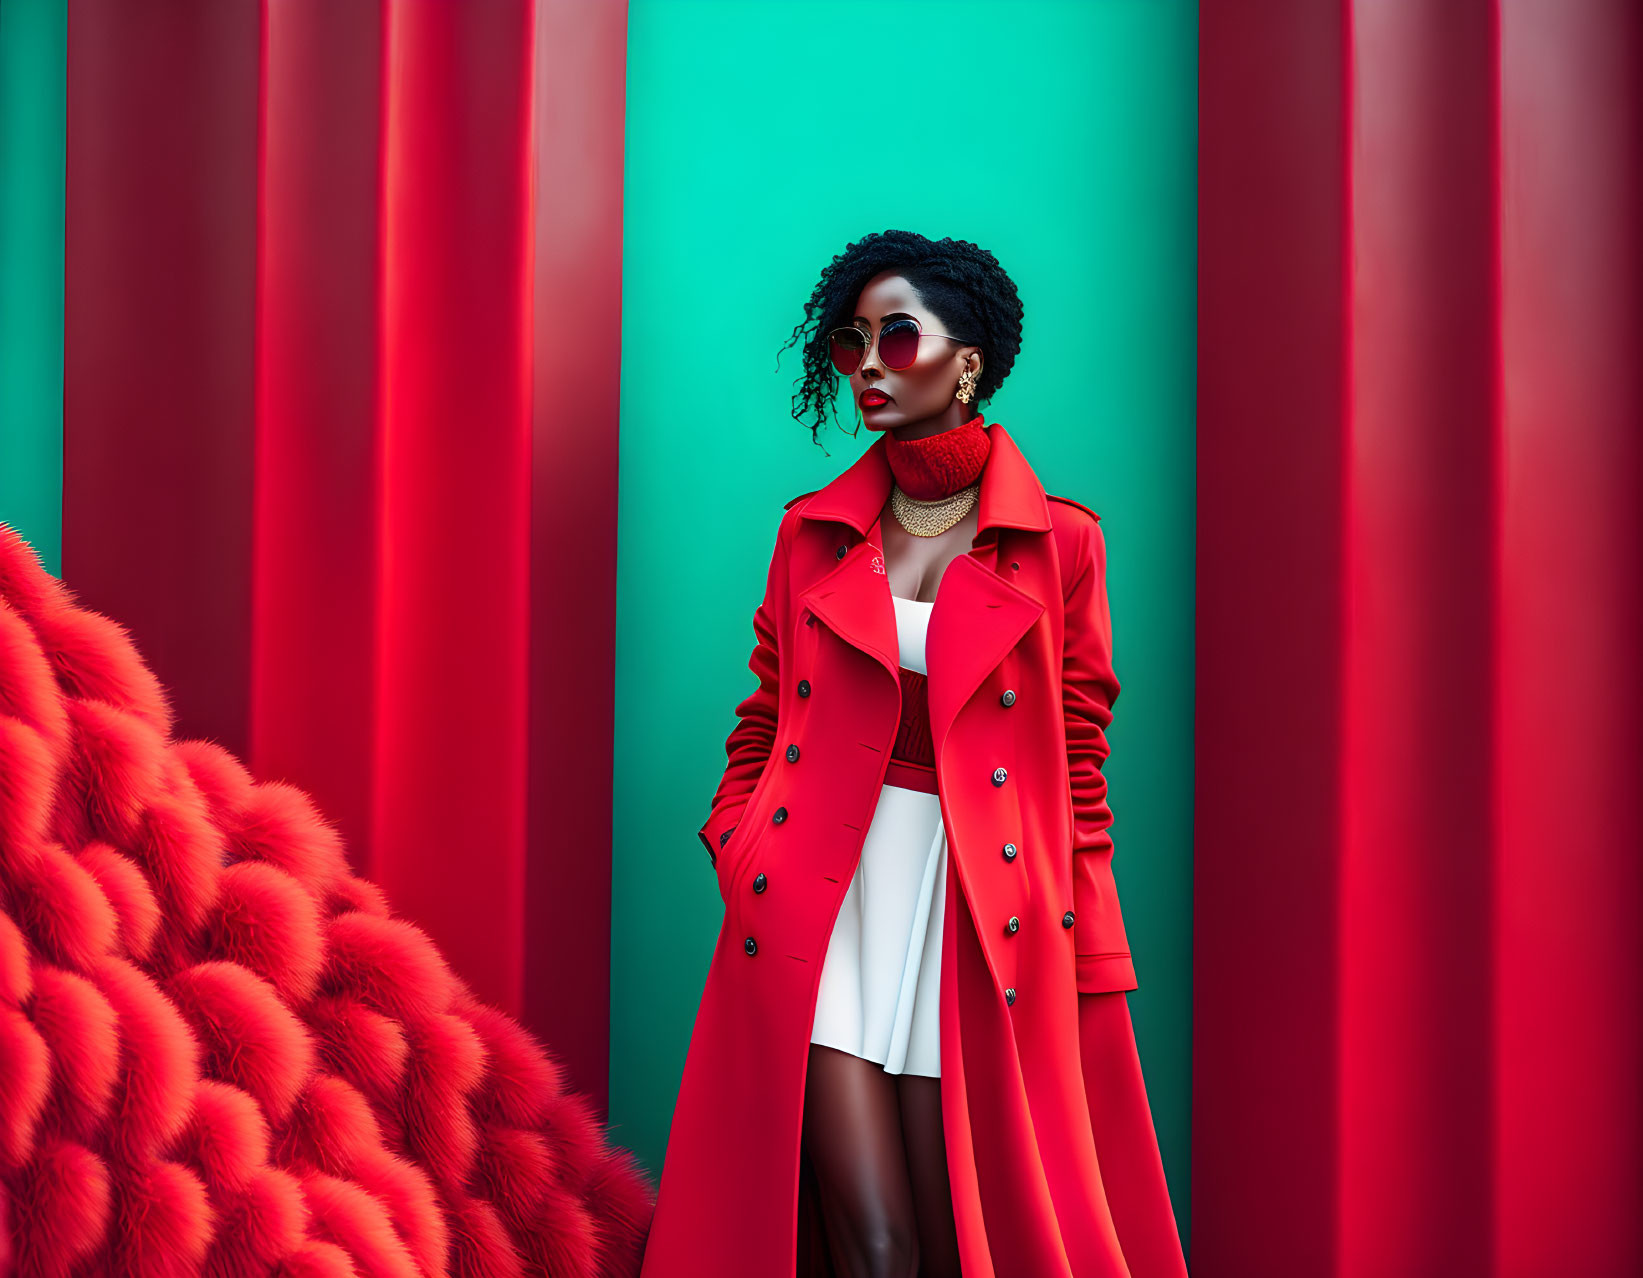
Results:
[927, 1167]
[852, 1126]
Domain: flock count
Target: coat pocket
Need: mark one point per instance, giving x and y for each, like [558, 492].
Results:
[724, 864]
[733, 856]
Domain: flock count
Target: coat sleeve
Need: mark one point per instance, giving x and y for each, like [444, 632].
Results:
[1089, 688]
[748, 747]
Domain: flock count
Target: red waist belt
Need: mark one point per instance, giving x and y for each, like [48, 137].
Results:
[913, 758]
[911, 776]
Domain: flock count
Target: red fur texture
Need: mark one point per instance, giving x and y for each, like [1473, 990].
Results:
[220, 1051]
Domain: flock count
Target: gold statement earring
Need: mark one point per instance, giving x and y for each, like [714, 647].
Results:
[966, 386]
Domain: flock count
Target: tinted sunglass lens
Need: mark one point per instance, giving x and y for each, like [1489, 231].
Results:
[898, 344]
[845, 347]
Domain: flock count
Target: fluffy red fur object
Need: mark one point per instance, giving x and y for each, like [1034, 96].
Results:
[220, 1052]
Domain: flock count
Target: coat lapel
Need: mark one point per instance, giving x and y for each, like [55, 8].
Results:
[978, 616]
[854, 602]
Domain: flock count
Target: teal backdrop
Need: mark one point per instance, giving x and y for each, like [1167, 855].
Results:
[33, 113]
[1064, 140]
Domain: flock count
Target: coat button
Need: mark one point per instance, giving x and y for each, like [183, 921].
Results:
[792, 754]
[1008, 698]
[998, 776]
[843, 551]
[1067, 919]
[750, 945]
[1009, 851]
[804, 687]
[781, 815]
[759, 882]
[1009, 994]
[1014, 925]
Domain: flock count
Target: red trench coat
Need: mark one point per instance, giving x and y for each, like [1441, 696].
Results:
[1020, 690]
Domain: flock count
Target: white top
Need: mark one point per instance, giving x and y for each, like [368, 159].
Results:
[912, 625]
[880, 991]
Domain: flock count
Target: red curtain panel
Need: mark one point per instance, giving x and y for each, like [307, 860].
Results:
[160, 254]
[1418, 890]
[330, 350]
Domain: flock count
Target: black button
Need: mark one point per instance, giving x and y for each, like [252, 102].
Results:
[1009, 851]
[1009, 994]
[804, 687]
[759, 882]
[750, 945]
[843, 550]
[1014, 564]
[1008, 698]
[726, 835]
[1067, 919]
[792, 754]
[998, 776]
[781, 815]
[1013, 926]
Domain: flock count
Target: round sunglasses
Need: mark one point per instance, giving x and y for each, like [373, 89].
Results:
[898, 345]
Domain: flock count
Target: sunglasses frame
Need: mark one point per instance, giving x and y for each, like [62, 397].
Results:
[868, 342]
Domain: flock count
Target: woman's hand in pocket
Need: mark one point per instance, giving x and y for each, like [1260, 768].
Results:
[724, 862]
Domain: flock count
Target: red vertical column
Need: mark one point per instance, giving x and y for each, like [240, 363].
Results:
[581, 64]
[439, 368]
[1416, 842]
[1270, 620]
[318, 490]
[453, 455]
[1568, 1168]
[159, 302]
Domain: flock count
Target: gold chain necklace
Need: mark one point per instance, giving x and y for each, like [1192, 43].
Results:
[932, 518]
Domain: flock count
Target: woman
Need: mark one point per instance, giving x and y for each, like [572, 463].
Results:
[913, 1055]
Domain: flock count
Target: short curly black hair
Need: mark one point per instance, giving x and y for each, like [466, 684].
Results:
[961, 283]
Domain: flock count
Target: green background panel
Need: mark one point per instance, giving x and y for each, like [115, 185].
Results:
[33, 71]
[1061, 136]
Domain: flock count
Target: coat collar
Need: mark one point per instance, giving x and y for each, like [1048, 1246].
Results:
[1011, 494]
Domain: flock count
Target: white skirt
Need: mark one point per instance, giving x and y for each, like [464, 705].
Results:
[880, 992]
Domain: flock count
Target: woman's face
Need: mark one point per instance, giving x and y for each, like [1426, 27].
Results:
[919, 397]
